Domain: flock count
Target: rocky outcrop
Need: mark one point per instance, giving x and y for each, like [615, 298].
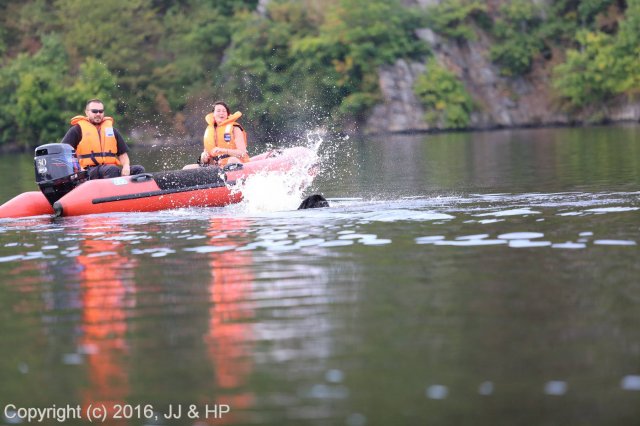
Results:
[500, 101]
[262, 7]
[401, 110]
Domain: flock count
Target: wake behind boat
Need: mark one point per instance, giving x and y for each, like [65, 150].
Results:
[64, 190]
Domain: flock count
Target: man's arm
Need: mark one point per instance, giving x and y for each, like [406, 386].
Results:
[126, 166]
[122, 145]
[73, 136]
[123, 157]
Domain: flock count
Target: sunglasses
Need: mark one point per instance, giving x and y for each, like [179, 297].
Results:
[97, 111]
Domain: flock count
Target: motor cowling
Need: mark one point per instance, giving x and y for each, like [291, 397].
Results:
[57, 170]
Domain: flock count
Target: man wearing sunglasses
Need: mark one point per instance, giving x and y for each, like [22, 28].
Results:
[100, 148]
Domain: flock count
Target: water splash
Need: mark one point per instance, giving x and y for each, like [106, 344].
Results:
[330, 147]
[315, 139]
[270, 192]
[278, 191]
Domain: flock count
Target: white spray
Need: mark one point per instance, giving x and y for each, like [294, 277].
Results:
[279, 191]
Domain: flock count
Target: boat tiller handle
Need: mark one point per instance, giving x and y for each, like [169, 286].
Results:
[232, 166]
[143, 177]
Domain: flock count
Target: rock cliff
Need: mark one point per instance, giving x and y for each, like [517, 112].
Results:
[501, 101]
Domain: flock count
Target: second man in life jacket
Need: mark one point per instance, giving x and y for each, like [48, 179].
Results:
[99, 146]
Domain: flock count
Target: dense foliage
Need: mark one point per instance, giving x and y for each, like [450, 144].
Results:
[291, 65]
[455, 18]
[444, 97]
[304, 65]
[520, 31]
[602, 65]
[526, 30]
[298, 63]
[596, 42]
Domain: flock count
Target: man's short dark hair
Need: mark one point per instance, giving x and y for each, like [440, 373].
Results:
[93, 100]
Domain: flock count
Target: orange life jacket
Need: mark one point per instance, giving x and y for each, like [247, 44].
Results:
[221, 135]
[98, 144]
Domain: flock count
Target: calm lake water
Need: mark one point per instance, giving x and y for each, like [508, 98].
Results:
[464, 279]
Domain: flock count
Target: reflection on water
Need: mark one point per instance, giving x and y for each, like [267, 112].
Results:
[230, 330]
[454, 280]
[106, 295]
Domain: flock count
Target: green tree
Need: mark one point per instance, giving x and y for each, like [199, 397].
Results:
[264, 75]
[628, 48]
[196, 36]
[518, 31]
[121, 34]
[300, 64]
[32, 88]
[454, 18]
[447, 102]
[93, 81]
[25, 24]
[355, 38]
[41, 96]
[585, 76]
[525, 30]
[589, 9]
[604, 65]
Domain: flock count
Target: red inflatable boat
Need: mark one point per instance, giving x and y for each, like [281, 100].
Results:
[202, 187]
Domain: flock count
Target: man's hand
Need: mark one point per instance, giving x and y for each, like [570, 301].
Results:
[124, 160]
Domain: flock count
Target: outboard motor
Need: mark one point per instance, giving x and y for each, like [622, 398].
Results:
[57, 170]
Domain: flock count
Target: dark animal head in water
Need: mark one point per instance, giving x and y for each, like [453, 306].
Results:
[313, 202]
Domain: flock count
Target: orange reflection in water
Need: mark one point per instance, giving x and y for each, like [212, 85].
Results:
[230, 330]
[106, 293]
